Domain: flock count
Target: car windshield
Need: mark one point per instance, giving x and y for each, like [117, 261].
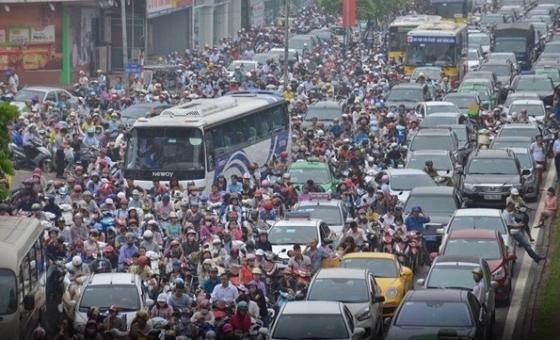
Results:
[24, 95]
[532, 110]
[552, 73]
[534, 84]
[510, 44]
[410, 181]
[339, 289]
[379, 267]
[479, 39]
[302, 175]
[439, 142]
[405, 95]
[499, 70]
[462, 102]
[126, 297]
[498, 58]
[294, 326]
[433, 54]
[434, 314]
[443, 276]
[491, 19]
[323, 113]
[504, 144]
[492, 166]
[165, 148]
[516, 132]
[439, 204]
[488, 249]
[477, 222]
[441, 162]
[8, 292]
[441, 108]
[329, 214]
[282, 235]
[431, 121]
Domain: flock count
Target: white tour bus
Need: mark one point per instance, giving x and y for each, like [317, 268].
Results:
[203, 139]
[22, 276]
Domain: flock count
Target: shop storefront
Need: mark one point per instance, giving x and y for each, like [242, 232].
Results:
[169, 26]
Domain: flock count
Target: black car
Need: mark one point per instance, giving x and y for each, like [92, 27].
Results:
[408, 94]
[490, 175]
[439, 313]
[540, 84]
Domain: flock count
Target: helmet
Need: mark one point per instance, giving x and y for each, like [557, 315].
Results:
[76, 261]
[385, 178]
[35, 207]
[265, 183]
[142, 314]
[267, 205]
[63, 191]
[477, 270]
[242, 305]
[148, 234]
[258, 193]
[429, 163]
[284, 154]
[514, 192]
[179, 283]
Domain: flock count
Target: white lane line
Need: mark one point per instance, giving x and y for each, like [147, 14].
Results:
[523, 276]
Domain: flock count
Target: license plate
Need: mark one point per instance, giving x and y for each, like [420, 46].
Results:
[493, 197]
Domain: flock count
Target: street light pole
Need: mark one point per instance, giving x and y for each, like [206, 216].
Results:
[124, 38]
[286, 37]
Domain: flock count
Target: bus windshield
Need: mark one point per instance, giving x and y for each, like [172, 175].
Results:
[165, 148]
[450, 9]
[431, 54]
[397, 38]
[8, 292]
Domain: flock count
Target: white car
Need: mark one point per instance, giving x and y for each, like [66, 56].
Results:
[331, 211]
[535, 108]
[105, 289]
[427, 108]
[402, 181]
[474, 59]
[43, 93]
[479, 218]
[244, 66]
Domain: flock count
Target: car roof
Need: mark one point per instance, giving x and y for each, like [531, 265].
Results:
[473, 234]
[435, 190]
[312, 307]
[321, 202]
[438, 103]
[485, 212]
[404, 171]
[527, 102]
[492, 153]
[533, 76]
[43, 88]
[369, 255]
[326, 104]
[475, 260]
[113, 279]
[437, 295]
[444, 114]
[308, 164]
[433, 132]
[297, 222]
[428, 152]
[409, 86]
[342, 273]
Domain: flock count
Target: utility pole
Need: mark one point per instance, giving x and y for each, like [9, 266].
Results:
[286, 37]
[124, 40]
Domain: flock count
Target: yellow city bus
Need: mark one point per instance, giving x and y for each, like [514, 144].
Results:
[442, 44]
[456, 10]
[22, 276]
[400, 27]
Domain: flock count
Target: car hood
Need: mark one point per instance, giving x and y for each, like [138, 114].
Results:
[388, 282]
[401, 195]
[492, 180]
[410, 332]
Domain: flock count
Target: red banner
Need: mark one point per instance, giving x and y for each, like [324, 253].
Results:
[348, 13]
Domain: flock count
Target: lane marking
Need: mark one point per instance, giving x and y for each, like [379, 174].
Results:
[521, 282]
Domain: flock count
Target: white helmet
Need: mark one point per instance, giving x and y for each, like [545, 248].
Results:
[514, 192]
[320, 133]
[148, 234]
[76, 261]
[391, 115]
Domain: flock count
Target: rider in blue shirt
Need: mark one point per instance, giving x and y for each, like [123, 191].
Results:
[415, 221]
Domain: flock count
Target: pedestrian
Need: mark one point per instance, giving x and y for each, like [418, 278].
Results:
[550, 207]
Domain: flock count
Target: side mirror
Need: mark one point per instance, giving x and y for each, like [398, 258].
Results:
[420, 282]
[29, 302]
[525, 172]
[405, 271]
[358, 333]
[378, 299]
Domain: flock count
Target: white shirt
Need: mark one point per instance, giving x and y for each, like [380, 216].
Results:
[556, 146]
[538, 152]
[227, 294]
[479, 290]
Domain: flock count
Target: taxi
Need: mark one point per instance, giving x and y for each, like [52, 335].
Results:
[301, 171]
[394, 279]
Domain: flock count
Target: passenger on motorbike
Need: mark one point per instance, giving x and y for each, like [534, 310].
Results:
[75, 269]
[429, 169]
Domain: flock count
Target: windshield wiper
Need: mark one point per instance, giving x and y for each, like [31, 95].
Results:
[457, 287]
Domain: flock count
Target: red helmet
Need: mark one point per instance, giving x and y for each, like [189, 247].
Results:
[284, 154]
[267, 205]
[77, 188]
[348, 182]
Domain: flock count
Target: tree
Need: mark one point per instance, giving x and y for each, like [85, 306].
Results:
[8, 114]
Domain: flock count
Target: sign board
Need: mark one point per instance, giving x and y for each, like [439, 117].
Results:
[42, 36]
[133, 68]
[19, 34]
[431, 40]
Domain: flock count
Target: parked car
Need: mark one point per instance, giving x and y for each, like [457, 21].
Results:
[358, 290]
[439, 313]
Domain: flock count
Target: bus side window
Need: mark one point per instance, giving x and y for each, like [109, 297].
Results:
[209, 141]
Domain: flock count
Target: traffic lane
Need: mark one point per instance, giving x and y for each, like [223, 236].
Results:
[501, 310]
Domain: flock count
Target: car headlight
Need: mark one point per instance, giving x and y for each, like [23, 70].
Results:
[469, 187]
[391, 293]
[363, 315]
[499, 274]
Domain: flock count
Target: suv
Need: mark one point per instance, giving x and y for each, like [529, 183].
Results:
[125, 290]
[490, 175]
[437, 139]
[297, 228]
[321, 206]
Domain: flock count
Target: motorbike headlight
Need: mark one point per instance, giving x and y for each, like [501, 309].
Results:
[363, 315]
[499, 274]
[392, 293]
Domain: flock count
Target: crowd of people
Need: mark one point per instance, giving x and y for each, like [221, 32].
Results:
[205, 257]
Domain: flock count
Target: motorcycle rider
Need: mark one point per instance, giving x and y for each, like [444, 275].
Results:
[429, 169]
[30, 141]
[75, 269]
[415, 221]
[90, 140]
[520, 208]
[517, 234]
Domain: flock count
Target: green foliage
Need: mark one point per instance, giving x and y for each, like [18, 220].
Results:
[374, 8]
[8, 114]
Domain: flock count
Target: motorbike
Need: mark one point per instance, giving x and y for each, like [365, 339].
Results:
[415, 246]
[54, 286]
[42, 160]
[387, 242]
